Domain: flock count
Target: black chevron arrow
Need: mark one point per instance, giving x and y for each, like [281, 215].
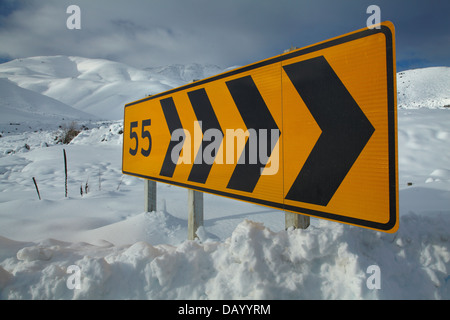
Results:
[204, 113]
[173, 122]
[256, 116]
[345, 131]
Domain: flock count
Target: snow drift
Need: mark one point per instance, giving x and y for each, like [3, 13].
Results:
[327, 261]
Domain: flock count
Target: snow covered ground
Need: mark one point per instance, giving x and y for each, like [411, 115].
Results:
[122, 252]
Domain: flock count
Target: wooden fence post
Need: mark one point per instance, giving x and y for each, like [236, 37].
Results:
[37, 189]
[65, 170]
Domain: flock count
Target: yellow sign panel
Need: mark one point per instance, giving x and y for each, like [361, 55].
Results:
[312, 131]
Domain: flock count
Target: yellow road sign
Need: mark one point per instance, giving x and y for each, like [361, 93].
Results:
[312, 131]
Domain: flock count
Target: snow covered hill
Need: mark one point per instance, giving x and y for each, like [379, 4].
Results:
[187, 73]
[102, 87]
[424, 88]
[22, 109]
[243, 252]
[96, 86]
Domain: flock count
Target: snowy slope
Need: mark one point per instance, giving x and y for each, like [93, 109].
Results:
[187, 73]
[243, 251]
[22, 109]
[96, 86]
[102, 87]
[424, 88]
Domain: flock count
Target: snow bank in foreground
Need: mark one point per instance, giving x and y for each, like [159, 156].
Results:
[328, 261]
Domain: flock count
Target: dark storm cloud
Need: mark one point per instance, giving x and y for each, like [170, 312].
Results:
[232, 32]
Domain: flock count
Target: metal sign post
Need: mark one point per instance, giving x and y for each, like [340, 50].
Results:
[195, 213]
[150, 195]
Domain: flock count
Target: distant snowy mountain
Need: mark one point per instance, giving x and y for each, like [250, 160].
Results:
[424, 88]
[101, 87]
[95, 86]
[19, 106]
[187, 73]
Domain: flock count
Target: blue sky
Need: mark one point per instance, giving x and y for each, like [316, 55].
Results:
[145, 33]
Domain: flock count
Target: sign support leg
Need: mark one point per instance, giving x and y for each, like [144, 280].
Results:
[298, 221]
[150, 195]
[195, 214]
